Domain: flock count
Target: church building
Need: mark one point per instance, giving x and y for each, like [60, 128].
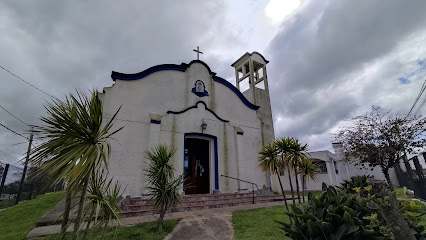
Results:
[217, 128]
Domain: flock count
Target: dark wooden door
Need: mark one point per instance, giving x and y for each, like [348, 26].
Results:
[196, 166]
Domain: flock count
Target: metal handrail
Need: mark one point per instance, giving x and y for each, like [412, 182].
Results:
[252, 184]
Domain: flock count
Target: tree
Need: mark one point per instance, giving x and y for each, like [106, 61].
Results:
[269, 162]
[1, 171]
[162, 184]
[380, 138]
[308, 170]
[284, 148]
[297, 154]
[77, 143]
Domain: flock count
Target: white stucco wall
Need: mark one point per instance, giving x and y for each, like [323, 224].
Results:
[334, 162]
[170, 90]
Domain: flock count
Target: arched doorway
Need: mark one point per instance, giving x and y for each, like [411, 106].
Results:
[200, 163]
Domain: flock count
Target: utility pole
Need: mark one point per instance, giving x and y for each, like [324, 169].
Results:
[3, 179]
[21, 184]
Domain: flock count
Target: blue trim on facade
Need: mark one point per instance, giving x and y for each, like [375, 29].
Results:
[216, 159]
[155, 121]
[236, 91]
[136, 76]
[240, 133]
[181, 68]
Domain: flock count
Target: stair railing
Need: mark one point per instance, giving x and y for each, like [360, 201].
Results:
[252, 184]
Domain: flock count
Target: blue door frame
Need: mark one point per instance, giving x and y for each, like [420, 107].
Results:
[216, 168]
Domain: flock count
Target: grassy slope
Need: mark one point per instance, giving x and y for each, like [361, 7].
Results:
[17, 221]
[259, 224]
[145, 231]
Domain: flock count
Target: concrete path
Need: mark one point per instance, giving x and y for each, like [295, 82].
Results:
[214, 223]
[212, 227]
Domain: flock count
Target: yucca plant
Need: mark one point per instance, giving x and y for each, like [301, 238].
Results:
[162, 184]
[270, 162]
[308, 170]
[104, 205]
[76, 143]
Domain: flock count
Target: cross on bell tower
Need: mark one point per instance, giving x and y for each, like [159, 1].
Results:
[198, 52]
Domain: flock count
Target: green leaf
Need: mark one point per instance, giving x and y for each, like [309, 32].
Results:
[350, 210]
[352, 229]
[348, 219]
[340, 232]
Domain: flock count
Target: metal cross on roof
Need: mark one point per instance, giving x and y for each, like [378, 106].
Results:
[198, 52]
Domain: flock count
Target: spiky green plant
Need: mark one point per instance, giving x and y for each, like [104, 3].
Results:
[308, 171]
[162, 184]
[103, 197]
[77, 143]
[270, 162]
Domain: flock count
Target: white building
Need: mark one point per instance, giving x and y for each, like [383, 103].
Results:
[333, 170]
[215, 128]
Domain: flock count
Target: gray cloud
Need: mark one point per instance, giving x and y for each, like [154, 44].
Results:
[325, 46]
[328, 61]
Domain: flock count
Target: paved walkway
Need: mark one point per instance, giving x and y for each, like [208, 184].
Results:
[206, 224]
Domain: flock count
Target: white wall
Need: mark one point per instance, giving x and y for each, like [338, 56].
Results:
[170, 90]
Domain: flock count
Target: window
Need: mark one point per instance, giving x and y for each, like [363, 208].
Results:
[322, 166]
[244, 85]
[261, 85]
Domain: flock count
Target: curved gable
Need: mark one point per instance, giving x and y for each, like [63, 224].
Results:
[182, 68]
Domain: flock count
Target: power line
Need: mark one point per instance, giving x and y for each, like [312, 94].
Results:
[13, 131]
[11, 164]
[7, 154]
[13, 115]
[25, 81]
[421, 105]
[418, 97]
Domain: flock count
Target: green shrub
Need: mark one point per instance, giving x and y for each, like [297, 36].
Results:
[355, 182]
[333, 215]
[413, 211]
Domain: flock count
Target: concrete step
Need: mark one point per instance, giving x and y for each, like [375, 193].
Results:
[141, 206]
[200, 196]
[186, 202]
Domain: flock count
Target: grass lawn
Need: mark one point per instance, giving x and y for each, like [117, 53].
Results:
[17, 221]
[7, 203]
[259, 224]
[145, 231]
[400, 194]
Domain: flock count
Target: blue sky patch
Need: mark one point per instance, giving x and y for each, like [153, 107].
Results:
[404, 80]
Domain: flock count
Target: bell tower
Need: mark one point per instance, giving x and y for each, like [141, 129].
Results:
[250, 74]
[252, 81]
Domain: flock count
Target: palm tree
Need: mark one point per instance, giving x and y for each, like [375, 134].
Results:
[284, 148]
[307, 170]
[298, 153]
[269, 162]
[77, 143]
[162, 185]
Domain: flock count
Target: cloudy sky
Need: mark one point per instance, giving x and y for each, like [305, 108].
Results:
[329, 60]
